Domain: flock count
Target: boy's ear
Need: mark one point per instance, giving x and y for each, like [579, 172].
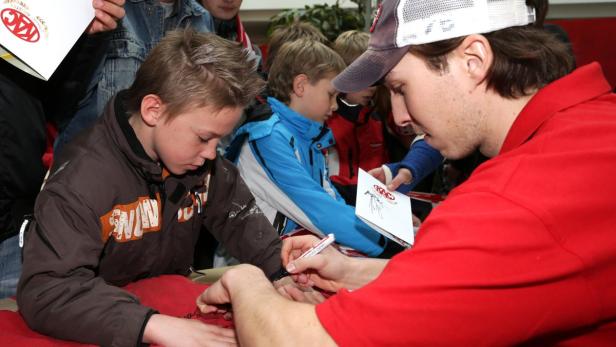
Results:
[299, 84]
[152, 109]
[477, 57]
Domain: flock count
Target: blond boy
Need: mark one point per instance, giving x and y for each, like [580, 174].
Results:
[281, 155]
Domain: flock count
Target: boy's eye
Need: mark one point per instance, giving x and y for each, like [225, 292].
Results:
[204, 140]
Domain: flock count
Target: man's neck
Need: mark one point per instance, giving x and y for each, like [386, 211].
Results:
[501, 115]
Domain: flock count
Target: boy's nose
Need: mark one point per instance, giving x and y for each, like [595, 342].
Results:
[210, 150]
[334, 105]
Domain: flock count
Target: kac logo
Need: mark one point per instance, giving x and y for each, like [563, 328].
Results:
[20, 25]
[384, 193]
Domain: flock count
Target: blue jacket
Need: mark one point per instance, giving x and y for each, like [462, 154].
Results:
[281, 160]
[143, 26]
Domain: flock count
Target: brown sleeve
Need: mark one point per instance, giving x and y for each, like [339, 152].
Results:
[59, 293]
[232, 216]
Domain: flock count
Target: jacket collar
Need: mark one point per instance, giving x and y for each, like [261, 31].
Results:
[301, 126]
[584, 83]
[116, 119]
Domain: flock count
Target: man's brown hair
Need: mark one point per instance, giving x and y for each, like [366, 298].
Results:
[303, 56]
[289, 33]
[195, 69]
[351, 44]
[525, 57]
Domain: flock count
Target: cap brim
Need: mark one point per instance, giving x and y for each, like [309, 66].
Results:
[369, 68]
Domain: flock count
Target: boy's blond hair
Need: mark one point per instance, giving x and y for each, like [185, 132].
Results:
[289, 33]
[190, 69]
[351, 44]
[303, 56]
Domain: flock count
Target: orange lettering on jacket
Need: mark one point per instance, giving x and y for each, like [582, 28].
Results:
[129, 222]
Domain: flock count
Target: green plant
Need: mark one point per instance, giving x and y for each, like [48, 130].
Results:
[331, 20]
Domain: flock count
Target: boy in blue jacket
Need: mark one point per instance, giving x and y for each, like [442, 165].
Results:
[281, 156]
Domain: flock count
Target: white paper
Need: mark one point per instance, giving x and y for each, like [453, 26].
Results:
[39, 33]
[387, 212]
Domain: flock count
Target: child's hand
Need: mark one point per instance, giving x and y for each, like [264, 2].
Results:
[379, 174]
[172, 331]
[404, 176]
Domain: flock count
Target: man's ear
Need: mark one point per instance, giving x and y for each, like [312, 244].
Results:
[477, 56]
[299, 84]
[152, 109]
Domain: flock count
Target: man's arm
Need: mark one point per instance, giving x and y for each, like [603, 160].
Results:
[254, 299]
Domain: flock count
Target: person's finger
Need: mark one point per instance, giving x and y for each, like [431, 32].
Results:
[300, 265]
[416, 221]
[106, 21]
[293, 246]
[283, 291]
[404, 176]
[378, 173]
[222, 332]
[214, 295]
[113, 8]
[310, 296]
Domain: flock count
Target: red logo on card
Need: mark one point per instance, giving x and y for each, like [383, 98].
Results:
[20, 25]
[384, 193]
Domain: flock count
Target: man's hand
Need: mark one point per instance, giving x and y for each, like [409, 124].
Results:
[292, 291]
[107, 13]
[404, 176]
[305, 295]
[171, 331]
[240, 277]
[325, 270]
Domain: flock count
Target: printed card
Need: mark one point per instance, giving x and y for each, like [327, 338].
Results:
[36, 35]
[387, 212]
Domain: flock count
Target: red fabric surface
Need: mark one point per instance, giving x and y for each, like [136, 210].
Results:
[170, 294]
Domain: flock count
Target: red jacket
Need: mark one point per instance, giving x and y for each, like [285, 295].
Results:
[359, 143]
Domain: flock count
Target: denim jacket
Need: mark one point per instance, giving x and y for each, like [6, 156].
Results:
[143, 26]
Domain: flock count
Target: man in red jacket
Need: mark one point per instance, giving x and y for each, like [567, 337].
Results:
[523, 252]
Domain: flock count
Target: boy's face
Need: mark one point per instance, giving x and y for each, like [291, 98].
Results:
[222, 9]
[185, 142]
[319, 99]
[362, 97]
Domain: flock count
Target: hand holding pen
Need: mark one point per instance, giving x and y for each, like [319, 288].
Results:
[318, 265]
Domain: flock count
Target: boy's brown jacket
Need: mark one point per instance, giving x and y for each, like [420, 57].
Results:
[107, 217]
